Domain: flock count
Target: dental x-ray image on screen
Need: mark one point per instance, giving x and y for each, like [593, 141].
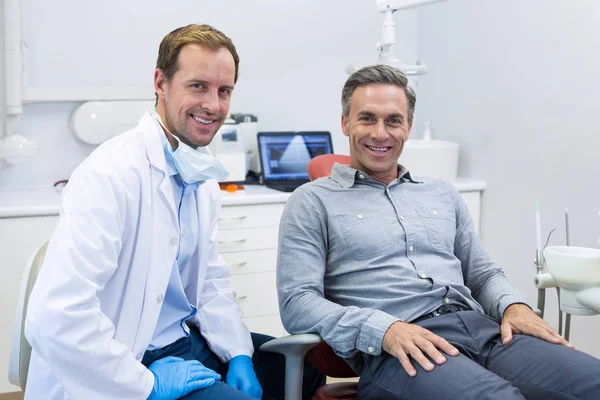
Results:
[284, 156]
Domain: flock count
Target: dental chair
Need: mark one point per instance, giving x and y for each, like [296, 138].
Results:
[295, 347]
[20, 349]
[321, 166]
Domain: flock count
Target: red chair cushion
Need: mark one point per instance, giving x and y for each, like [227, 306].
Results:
[341, 390]
[321, 165]
[326, 361]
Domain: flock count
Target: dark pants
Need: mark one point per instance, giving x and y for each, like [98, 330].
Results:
[269, 368]
[527, 367]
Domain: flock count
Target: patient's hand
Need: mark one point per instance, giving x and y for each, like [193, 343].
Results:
[403, 340]
[519, 318]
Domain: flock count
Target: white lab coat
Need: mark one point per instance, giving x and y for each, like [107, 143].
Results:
[95, 305]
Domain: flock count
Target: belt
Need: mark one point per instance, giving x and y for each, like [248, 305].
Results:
[445, 309]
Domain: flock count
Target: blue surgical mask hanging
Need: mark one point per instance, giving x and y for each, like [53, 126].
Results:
[193, 165]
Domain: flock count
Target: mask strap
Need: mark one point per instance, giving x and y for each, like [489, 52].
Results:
[157, 117]
[176, 138]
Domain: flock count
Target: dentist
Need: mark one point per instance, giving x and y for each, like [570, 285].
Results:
[132, 301]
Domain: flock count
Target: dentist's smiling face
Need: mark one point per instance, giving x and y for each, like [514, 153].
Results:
[194, 103]
[377, 126]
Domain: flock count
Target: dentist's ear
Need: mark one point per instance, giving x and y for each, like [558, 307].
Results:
[160, 80]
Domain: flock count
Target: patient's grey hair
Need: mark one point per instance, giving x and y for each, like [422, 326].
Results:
[375, 74]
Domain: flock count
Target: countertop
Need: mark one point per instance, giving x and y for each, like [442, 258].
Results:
[31, 201]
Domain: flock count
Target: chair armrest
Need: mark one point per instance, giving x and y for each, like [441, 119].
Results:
[294, 348]
[292, 344]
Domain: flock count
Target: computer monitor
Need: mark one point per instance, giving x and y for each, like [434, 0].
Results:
[284, 156]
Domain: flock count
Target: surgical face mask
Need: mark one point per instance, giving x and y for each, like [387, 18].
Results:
[193, 165]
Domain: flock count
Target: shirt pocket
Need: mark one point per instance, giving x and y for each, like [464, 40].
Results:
[440, 224]
[366, 235]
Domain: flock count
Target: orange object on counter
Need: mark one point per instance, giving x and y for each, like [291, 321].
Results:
[231, 187]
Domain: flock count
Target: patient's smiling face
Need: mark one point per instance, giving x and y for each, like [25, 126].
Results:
[377, 127]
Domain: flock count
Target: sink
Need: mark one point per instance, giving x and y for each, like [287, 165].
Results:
[575, 269]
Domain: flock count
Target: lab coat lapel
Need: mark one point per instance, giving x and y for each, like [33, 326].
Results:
[165, 233]
[156, 155]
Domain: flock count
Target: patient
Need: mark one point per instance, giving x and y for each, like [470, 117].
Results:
[390, 272]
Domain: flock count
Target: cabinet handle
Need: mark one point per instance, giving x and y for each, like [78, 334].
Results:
[230, 219]
[232, 241]
[241, 296]
[239, 265]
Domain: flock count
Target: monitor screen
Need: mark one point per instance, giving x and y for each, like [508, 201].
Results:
[285, 155]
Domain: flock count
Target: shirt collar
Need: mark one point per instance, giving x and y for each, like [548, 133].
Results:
[347, 176]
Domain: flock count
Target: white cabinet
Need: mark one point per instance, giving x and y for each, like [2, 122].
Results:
[248, 243]
[19, 238]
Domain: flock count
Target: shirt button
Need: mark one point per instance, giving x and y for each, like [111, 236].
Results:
[371, 349]
[138, 357]
[359, 216]
[402, 218]
[159, 299]
[411, 248]
[182, 234]
[361, 176]
[173, 241]
[446, 300]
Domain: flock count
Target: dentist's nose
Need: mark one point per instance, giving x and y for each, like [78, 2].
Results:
[210, 103]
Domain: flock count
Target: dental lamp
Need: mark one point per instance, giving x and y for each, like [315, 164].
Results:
[386, 46]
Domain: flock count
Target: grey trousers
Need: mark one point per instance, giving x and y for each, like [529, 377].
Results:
[527, 367]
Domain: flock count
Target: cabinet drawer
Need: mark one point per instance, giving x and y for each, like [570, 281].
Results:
[270, 325]
[256, 294]
[234, 217]
[249, 262]
[248, 239]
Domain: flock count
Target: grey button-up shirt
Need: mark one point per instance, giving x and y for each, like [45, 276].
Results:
[355, 256]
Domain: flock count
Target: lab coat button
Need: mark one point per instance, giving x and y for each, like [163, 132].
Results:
[173, 241]
[138, 357]
[411, 248]
[446, 300]
[159, 299]
[402, 218]
[423, 276]
[359, 216]
[435, 212]
[371, 349]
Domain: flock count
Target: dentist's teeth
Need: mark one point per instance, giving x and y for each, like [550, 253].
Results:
[380, 149]
[204, 121]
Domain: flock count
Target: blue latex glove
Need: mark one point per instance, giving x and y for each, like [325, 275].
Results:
[174, 378]
[241, 376]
